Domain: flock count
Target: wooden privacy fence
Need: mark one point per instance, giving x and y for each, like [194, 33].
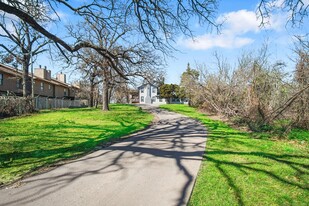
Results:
[50, 103]
[13, 106]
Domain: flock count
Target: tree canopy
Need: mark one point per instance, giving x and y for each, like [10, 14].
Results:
[158, 22]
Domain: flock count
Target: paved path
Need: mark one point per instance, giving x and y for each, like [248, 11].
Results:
[157, 166]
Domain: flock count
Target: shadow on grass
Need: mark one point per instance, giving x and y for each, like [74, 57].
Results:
[49, 141]
[232, 150]
[177, 140]
[226, 149]
[246, 168]
[234, 156]
[78, 142]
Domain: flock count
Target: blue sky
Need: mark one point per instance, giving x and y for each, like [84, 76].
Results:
[239, 33]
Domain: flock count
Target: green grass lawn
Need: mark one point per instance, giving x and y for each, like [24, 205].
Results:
[240, 170]
[27, 143]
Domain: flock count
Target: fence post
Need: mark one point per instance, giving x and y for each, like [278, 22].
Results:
[33, 103]
[36, 102]
[19, 106]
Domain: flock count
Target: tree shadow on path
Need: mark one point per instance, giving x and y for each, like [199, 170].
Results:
[180, 139]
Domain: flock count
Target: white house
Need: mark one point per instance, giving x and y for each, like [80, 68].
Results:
[148, 94]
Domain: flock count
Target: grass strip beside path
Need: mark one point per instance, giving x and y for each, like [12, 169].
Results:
[240, 170]
[33, 141]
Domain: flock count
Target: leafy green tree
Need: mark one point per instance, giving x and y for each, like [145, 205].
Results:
[21, 44]
[169, 91]
[180, 92]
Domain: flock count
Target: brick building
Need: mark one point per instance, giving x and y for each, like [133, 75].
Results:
[44, 84]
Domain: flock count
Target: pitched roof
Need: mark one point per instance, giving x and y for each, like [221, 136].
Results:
[143, 85]
[17, 72]
[10, 70]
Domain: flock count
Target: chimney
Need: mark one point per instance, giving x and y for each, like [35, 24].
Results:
[42, 73]
[39, 72]
[61, 77]
[48, 74]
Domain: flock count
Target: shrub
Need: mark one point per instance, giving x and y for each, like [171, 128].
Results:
[14, 106]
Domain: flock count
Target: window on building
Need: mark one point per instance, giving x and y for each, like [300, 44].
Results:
[49, 87]
[142, 98]
[1, 79]
[154, 90]
[19, 83]
[142, 90]
[42, 86]
[65, 92]
[160, 100]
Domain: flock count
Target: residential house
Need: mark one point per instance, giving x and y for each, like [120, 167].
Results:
[44, 84]
[149, 94]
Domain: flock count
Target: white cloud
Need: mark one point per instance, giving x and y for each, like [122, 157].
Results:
[239, 22]
[237, 26]
[276, 21]
[208, 41]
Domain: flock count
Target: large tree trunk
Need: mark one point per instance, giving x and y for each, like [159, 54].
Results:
[110, 92]
[127, 95]
[91, 92]
[26, 79]
[97, 98]
[105, 106]
[128, 99]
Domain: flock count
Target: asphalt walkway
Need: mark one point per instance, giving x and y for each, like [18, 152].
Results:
[157, 166]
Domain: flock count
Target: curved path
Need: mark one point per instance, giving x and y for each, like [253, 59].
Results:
[157, 166]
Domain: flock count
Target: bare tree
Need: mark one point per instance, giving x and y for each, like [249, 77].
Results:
[253, 92]
[158, 22]
[302, 80]
[86, 92]
[121, 93]
[131, 58]
[23, 44]
[298, 10]
[91, 72]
